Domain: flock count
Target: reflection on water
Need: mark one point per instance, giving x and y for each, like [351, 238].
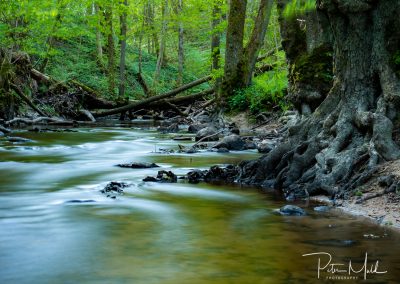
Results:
[157, 233]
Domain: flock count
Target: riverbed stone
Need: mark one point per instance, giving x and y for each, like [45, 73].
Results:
[114, 188]
[292, 210]
[322, 208]
[162, 176]
[195, 176]
[138, 165]
[231, 142]
[385, 181]
[209, 132]
[1, 134]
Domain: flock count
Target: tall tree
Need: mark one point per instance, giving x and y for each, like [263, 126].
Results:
[181, 53]
[108, 17]
[99, 45]
[161, 52]
[240, 60]
[60, 6]
[123, 22]
[216, 34]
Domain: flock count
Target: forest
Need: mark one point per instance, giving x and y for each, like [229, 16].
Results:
[292, 103]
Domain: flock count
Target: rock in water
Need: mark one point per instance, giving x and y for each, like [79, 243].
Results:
[195, 176]
[114, 188]
[209, 132]
[231, 142]
[137, 165]
[292, 210]
[163, 176]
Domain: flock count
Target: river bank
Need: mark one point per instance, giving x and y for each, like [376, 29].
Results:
[368, 201]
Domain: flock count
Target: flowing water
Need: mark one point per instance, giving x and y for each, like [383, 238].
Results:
[159, 233]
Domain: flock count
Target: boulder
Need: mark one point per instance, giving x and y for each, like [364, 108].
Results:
[196, 127]
[209, 132]
[231, 142]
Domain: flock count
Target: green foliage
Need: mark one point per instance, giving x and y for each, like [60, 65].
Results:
[266, 93]
[358, 193]
[298, 7]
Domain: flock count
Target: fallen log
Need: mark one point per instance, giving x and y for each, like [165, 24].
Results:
[183, 99]
[33, 121]
[39, 76]
[19, 92]
[147, 101]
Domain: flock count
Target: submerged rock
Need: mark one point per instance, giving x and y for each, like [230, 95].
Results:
[80, 201]
[332, 243]
[18, 140]
[138, 165]
[292, 210]
[323, 208]
[1, 134]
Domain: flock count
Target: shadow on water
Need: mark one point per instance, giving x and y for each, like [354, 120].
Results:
[158, 233]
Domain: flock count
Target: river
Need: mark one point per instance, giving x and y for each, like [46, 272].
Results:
[160, 233]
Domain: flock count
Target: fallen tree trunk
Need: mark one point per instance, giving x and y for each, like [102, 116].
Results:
[184, 99]
[19, 92]
[33, 121]
[147, 101]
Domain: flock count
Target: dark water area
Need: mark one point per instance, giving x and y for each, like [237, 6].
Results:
[162, 233]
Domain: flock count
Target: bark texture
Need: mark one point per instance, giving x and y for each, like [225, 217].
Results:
[122, 77]
[346, 129]
[239, 60]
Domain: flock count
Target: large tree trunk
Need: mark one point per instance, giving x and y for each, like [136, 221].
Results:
[216, 35]
[161, 52]
[122, 79]
[99, 45]
[250, 53]
[181, 54]
[234, 47]
[339, 143]
[240, 61]
[108, 17]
